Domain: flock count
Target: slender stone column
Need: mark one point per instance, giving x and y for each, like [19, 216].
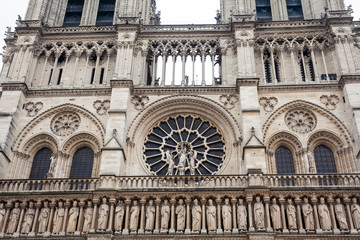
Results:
[267, 209]
[263, 63]
[81, 219]
[52, 207]
[154, 71]
[313, 59]
[23, 207]
[203, 59]
[352, 228]
[172, 220]
[219, 225]
[304, 65]
[188, 216]
[325, 65]
[183, 69]
[282, 202]
[37, 208]
[67, 205]
[54, 69]
[212, 69]
[292, 49]
[250, 212]
[157, 217]
[275, 80]
[164, 59]
[332, 215]
[142, 217]
[92, 227]
[299, 219]
[316, 214]
[193, 58]
[174, 70]
[203, 215]
[111, 219]
[235, 228]
[127, 213]
[43, 70]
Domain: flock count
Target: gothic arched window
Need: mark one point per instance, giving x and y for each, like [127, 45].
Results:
[105, 15]
[294, 8]
[284, 161]
[82, 164]
[41, 164]
[73, 13]
[324, 160]
[263, 10]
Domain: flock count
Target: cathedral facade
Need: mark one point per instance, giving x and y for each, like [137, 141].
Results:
[114, 126]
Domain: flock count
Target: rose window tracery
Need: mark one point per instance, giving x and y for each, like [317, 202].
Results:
[65, 124]
[184, 145]
[300, 120]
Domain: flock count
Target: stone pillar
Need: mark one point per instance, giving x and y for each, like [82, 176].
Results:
[172, 220]
[250, 212]
[348, 211]
[63, 231]
[188, 216]
[142, 217]
[111, 219]
[157, 217]
[316, 214]
[23, 207]
[127, 212]
[283, 217]
[52, 206]
[267, 209]
[299, 218]
[8, 207]
[235, 228]
[81, 219]
[218, 207]
[33, 229]
[203, 214]
[93, 221]
[332, 215]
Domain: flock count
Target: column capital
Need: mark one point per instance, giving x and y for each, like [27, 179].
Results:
[67, 204]
[282, 201]
[187, 201]
[314, 200]
[233, 201]
[52, 204]
[266, 199]
[330, 200]
[37, 205]
[96, 201]
[347, 201]
[81, 204]
[298, 201]
[172, 201]
[158, 202]
[203, 201]
[218, 200]
[249, 199]
[127, 202]
[23, 205]
[142, 201]
[112, 201]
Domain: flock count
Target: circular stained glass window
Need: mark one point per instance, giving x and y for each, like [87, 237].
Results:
[184, 145]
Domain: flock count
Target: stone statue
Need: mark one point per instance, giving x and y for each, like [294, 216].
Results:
[196, 217]
[226, 215]
[275, 213]
[150, 216]
[211, 216]
[44, 217]
[134, 217]
[13, 219]
[53, 163]
[324, 215]
[291, 215]
[341, 215]
[355, 212]
[308, 213]
[311, 162]
[193, 157]
[103, 215]
[28, 219]
[182, 159]
[170, 160]
[2, 214]
[180, 213]
[242, 215]
[73, 217]
[165, 216]
[88, 217]
[58, 218]
[119, 215]
[259, 214]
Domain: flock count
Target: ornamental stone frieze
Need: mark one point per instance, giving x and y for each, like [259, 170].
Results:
[65, 124]
[139, 101]
[301, 120]
[33, 108]
[102, 107]
[330, 101]
[229, 100]
[268, 103]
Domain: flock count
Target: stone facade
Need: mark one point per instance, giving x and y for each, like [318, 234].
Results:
[190, 127]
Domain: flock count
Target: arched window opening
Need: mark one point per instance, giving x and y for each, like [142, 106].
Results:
[294, 8]
[73, 13]
[82, 164]
[263, 10]
[284, 161]
[106, 11]
[277, 70]
[324, 160]
[41, 164]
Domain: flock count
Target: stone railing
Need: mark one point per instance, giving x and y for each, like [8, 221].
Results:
[187, 28]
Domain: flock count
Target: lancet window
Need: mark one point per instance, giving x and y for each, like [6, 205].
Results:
[294, 9]
[184, 63]
[41, 164]
[284, 161]
[105, 15]
[82, 164]
[263, 10]
[73, 13]
[324, 160]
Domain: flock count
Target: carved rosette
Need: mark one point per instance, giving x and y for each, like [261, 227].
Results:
[102, 107]
[301, 120]
[229, 100]
[33, 109]
[268, 103]
[65, 124]
[330, 101]
[139, 101]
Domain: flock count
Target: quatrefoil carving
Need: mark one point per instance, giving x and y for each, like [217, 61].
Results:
[33, 109]
[229, 100]
[102, 107]
[330, 101]
[268, 103]
[139, 101]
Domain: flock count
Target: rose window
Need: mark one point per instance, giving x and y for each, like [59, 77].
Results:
[65, 124]
[184, 145]
[301, 121]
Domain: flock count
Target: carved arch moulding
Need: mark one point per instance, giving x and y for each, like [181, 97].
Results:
[47, 125]
[315, 109]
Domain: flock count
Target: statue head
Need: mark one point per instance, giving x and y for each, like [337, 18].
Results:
[290, 201]
[75, 204]
[151, 202]
[46, 204]
[274, 200]
[196, 202]
[166, 202]
[322, 200]
[61, 204]
[89, 203]
[31, 204]
[17, 204]
[258, 199]
[120, 203]
[227, 201]
[104, 200]
[354, 200]
[181, 201]
[241, 201]
[306, 200]
[211, 202]
[135, 203]
[1, 205]
[338, 200]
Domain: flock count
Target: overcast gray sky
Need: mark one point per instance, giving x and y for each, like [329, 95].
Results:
[171, 12]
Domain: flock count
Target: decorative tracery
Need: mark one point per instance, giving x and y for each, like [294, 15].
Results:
[184, 145]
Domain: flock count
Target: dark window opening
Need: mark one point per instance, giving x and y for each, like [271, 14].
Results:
[102, 75]
[106, 11]
[51, 73]
[263, 10]
[60, 75]
[324, 160]
[268, 72]
[73, 13]
[277, 71]
[41, 164]
[294, 8]
[312, 72]
[284, 161]
[92, 76]
[82, 164]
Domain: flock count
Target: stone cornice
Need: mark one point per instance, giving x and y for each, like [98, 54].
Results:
[125, 83]
[246, 82]
[324, 87]
[348, 79]
[183, 90]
